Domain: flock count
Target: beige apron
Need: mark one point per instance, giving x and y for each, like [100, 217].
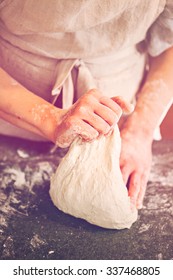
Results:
[88, 58]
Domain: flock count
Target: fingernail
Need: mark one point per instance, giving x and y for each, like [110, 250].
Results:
[139, 206]
[130, 109]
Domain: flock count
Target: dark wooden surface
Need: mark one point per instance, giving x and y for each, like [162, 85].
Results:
[32, 228]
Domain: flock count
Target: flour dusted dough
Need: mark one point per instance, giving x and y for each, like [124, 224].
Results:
[88, 184]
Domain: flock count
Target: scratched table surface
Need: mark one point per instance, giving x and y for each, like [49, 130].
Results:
[32, 228]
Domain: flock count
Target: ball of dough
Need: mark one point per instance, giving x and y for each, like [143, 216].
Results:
[88, 184]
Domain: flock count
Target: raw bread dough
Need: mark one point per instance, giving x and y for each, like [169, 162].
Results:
[88, 184]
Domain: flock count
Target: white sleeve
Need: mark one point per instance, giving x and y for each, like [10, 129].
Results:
[160, 34]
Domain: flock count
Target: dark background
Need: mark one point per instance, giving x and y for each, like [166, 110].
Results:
[32, 228]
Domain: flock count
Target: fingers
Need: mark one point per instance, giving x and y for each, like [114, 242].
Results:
[132, 181]
[126, 171]
[110, 104]
[127, 107]
[134, 187]
[97, 123]
[101, 117]
[87, 116]
[88, 133]
[100, 111]
[116, 104]
[137, 188]
[136, 183]
[141, 194]
[92, 115]
[70, 128]
[110, 116]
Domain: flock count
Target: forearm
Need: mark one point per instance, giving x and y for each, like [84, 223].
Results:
[26, 110]
[20, 123]
[155, 96]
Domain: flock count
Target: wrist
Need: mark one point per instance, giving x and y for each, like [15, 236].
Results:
[152, 104]
[137, 126]
[47, 118]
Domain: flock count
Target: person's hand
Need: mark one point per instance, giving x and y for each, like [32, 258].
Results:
[89, 117]
[135, 163]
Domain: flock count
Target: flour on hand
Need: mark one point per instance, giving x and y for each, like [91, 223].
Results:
[88, 184]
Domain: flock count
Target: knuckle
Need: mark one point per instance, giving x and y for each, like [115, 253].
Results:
[93, 92]
[81, 109]
[104, 98]
[88, 136]
[85, 100]
[108, 101]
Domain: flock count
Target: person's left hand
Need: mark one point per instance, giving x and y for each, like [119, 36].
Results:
[135, 163]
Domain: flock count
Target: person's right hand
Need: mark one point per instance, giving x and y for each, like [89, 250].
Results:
[90, 116]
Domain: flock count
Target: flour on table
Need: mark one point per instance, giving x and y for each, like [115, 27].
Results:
[88, 184]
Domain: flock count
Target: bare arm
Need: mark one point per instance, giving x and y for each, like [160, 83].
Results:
[25, 109]
[156, 94]
[91, 115]
[154, 100]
